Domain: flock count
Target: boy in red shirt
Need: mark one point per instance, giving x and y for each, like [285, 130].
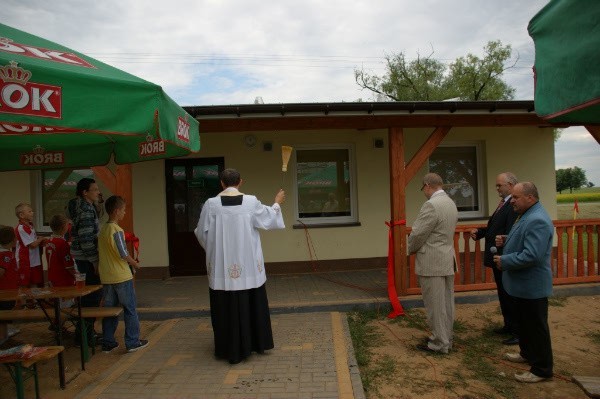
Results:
[61, 267]
[8, 272]
[29, 262]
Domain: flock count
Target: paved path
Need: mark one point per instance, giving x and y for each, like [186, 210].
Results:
[312, 358]
[188, 296]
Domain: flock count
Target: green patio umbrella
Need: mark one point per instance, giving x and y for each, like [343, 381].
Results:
[62, 109]
[567, 61]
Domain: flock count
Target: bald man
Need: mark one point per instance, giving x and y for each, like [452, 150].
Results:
[432, 240]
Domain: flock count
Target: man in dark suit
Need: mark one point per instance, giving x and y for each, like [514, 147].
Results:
[527, 277]
[499, 224]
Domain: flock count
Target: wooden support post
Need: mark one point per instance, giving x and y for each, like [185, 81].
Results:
[400, 175]
[119, 183]
[125, 190]
[398, 208]
[595, 132]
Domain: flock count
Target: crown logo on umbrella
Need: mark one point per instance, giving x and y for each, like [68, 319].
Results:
[38, 149]
[14, 74]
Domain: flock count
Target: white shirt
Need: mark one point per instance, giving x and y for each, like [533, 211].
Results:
[230, 236]
[28, 238]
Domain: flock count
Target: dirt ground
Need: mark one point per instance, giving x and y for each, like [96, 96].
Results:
[475, 369]
[39, 335]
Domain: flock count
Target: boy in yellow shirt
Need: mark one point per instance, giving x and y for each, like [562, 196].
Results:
[117, 279]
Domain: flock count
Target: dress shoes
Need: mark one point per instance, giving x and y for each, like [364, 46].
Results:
[515, 358]
[511, 341]
[502, 331]
[528, 376]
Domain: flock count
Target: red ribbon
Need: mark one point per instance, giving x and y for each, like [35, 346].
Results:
[397, 309]
[131, 238]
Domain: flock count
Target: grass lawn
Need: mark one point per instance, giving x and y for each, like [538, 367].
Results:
[587, 210]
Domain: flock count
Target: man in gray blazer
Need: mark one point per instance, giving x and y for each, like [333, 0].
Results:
[432, 239]
[527, 277]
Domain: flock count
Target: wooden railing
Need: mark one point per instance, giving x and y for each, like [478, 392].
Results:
[567, 267]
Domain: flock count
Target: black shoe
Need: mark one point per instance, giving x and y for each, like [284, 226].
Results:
[502, 331]
[107, 348]
[99, 338]
[511, 341]
[142, 344]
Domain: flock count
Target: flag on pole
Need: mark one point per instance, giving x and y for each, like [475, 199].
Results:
[575, 209]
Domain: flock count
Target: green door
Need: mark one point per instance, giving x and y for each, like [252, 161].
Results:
[190, 182]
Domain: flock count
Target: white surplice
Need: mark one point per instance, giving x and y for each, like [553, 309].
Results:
[230, 236]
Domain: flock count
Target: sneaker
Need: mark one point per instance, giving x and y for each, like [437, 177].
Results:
[529, 377]
[515, 358]
[142, 344]
[107, 348]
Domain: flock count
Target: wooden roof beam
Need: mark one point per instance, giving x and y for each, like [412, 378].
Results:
[595, 132]
[417, 161]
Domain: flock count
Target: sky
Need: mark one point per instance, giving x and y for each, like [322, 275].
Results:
[215, 52]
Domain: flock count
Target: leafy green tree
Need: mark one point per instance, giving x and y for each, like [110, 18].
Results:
[562, 179]
[468, 78]
[571, 178]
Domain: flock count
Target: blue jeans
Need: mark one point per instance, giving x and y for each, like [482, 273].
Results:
[121, 294]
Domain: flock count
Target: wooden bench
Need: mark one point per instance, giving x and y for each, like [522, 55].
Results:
[38, 314]
[22, 369]
[71, 316]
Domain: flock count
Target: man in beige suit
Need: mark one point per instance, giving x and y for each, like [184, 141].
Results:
[432, 239]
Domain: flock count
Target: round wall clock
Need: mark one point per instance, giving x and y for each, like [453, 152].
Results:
[250, 140]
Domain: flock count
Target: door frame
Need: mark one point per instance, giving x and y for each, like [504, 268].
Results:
[169, 164]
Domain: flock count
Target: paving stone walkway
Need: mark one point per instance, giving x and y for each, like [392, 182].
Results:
[312, 358]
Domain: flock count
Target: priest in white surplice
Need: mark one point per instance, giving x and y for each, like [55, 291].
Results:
[228, 232]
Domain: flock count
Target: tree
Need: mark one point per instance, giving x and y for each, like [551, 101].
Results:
[468, 78]
[571, 178]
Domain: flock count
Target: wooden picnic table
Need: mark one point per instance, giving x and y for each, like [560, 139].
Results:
[52, 295]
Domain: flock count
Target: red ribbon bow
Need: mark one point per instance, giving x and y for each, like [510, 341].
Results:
[131, 238]
[397, 309]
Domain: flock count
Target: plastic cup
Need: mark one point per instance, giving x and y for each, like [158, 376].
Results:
[80, 280]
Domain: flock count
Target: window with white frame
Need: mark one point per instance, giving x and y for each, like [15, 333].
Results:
[53, 190]
[325, 184]
[460, 168]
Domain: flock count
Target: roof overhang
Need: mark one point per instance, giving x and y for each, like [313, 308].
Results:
[362, 115]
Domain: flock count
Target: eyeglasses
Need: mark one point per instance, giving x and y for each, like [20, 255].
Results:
[422, 187]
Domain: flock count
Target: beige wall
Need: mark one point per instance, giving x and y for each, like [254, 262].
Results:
[528, 152]
[150, 212]
[16, 188]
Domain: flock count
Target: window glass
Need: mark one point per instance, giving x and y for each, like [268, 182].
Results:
[324, 185]
[57, 188]
[458, 167]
